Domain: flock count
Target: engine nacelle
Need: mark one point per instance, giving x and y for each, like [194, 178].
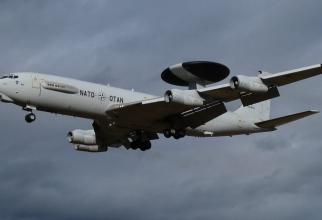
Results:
[189, 97]
[248, 84]
[90, 148]
[82, 137]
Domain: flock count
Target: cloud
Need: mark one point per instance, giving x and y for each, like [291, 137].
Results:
[272, 143]
[273, 175]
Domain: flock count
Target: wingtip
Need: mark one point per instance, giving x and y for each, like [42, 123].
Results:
[314, 111]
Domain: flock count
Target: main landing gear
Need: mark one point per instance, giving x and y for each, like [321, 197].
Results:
[175, 133]
[30, 117]
[143, 145]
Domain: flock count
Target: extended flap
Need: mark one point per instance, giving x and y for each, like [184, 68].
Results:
[199, 116]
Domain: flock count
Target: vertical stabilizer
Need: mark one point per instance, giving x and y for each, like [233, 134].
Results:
[257, 112]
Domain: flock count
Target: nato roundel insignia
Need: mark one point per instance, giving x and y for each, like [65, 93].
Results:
[101, 96]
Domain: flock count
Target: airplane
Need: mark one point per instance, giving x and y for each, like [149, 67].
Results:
[130, 119]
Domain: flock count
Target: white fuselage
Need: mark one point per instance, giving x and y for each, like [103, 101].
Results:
[72, 97]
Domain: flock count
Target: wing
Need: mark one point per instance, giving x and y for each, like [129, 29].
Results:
[291, 76]
[226, 94]
[149, 110]
[112, 135]
[154, 114]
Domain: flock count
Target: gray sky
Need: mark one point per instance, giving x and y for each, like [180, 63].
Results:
[128, 44]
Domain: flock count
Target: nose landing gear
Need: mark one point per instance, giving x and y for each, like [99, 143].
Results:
[30, 117]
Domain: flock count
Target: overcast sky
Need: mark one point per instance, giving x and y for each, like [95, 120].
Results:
[128, 44]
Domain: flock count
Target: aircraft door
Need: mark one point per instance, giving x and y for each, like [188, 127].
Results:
[35, 81]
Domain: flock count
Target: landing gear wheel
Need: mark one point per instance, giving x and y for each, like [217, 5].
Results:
[30, 117]
[134, 145]
[172, 131]
[141, 145]
[181, 133]
[147, 145]
[167, 133]
[176, 136]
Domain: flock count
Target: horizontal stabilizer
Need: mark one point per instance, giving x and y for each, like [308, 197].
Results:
[284, 120]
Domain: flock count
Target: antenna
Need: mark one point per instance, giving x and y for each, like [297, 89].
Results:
[254, 70]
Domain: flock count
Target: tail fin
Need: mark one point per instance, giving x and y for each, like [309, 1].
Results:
[257, 112]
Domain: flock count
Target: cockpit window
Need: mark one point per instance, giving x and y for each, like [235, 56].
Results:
[15, 77]
[5, 76]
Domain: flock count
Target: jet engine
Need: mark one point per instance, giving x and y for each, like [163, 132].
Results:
[189, 97]
[90, 148]
[82, 137]
[248, 84]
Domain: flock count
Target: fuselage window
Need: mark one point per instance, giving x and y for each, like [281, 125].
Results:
[53, 85]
